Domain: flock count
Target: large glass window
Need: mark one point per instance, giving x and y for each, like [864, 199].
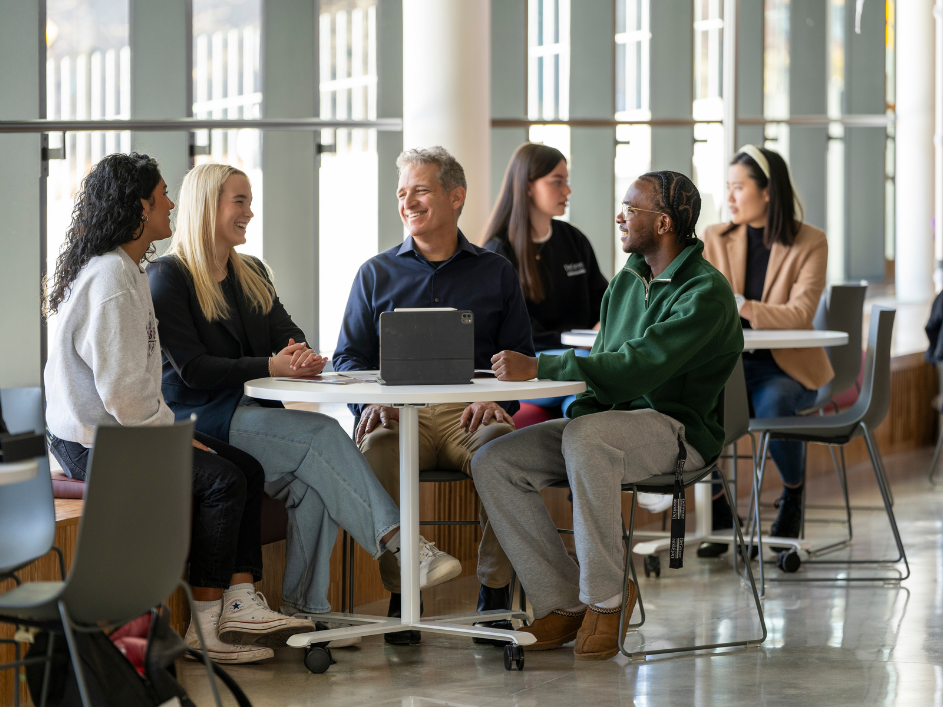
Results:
[348, 176]
[88, 76]
[548, 72]
[708, 160]
[227, 84]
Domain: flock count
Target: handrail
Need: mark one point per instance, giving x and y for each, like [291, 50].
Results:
[877, 120]
[190, 124]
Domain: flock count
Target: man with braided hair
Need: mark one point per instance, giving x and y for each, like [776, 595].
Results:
[669, 339]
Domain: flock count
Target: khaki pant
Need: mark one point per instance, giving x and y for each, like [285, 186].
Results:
[443, 444]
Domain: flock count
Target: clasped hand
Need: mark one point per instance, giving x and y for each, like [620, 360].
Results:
[297, 361]
[513, 366]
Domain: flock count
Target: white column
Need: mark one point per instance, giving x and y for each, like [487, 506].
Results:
[914, 170]
[938, 138]
[447, 92]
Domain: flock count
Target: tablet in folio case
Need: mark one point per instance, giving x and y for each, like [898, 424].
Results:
[427, 347]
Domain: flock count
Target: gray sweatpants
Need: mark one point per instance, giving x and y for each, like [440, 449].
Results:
[597, 454]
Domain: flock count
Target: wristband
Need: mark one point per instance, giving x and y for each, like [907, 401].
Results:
[740, 300]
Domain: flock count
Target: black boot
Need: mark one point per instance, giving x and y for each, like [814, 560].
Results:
[401, 638]
[491, 600]
[789, 519]
[721, 519]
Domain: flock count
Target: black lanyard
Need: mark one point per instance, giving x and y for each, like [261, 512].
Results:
[677, 511]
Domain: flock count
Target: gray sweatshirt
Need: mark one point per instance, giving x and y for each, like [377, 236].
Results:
[104, 363]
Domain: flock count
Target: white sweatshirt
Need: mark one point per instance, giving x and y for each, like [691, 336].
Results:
[104, 366]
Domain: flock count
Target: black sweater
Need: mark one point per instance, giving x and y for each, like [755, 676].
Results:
[573, 284]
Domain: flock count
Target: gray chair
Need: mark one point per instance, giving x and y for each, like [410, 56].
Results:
[133, 540]
[939, 441]
[734, 415]
[840, 309]
[838, 430]
[27, 510]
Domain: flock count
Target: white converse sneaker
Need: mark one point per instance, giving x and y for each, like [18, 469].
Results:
[247, 619]
[654, 502]
[435, 566]
[218, 651]
[339, 643]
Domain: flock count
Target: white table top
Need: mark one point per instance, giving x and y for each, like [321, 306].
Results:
[752, 338]
[480, 390]
[18, 471]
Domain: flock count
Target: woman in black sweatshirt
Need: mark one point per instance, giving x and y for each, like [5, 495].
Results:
[554, 261]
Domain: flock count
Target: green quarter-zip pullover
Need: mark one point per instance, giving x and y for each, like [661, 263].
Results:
[668, 344]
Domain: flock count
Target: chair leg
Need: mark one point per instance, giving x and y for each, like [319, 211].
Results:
[843, 483]
[47, 671]
[344, 607]
[885, 494]
[76, 658]
[629, 569]
[199, 634]
[936, 457]
[16, 675]
[741, 546]
[350, 574]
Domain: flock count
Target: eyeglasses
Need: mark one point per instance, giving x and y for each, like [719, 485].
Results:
[629, 210]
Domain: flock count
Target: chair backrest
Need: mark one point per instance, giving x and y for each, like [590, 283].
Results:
[27, 510]
[842, 309]
[134, 535]
[875, 398]
[735, 407]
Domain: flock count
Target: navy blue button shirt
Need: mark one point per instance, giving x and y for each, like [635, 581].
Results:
[473, 278]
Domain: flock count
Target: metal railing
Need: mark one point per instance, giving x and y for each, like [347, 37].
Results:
[190, 124]
[877, 120]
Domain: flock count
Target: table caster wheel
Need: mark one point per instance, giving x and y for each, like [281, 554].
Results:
[788, 561]
[513, 656]
[652, 566]
[318, 659]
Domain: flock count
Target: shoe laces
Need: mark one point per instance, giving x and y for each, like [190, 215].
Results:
[427, 550]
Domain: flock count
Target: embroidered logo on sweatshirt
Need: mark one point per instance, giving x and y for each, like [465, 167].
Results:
[151, 334]
[574, 269]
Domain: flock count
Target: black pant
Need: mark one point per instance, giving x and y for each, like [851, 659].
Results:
[227, 515]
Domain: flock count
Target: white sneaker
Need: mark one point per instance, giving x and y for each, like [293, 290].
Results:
[218, 651]
[435, 566]
[339, 643]
[247, 619]
[654, 502]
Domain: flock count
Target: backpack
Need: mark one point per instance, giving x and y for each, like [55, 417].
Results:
[110, 677]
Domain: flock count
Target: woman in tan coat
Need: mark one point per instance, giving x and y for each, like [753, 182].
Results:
[776, 266]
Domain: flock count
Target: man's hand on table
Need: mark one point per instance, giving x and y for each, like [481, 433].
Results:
[513, 366]
[373, 415]
[478, 414]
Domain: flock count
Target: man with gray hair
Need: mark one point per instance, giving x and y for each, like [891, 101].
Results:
[436, 266]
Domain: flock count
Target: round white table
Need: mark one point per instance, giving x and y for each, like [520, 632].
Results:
[409, 398]
[752, 339]
[18, 471]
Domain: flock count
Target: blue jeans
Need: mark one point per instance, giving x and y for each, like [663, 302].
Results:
[312, 465]
[773, 393]
[562, 402]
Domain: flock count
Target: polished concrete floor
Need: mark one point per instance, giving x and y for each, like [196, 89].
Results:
[828, 644]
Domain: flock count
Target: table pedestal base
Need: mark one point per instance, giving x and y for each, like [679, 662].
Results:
[455, 624]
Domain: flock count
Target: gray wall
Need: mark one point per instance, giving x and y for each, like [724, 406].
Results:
[672, 82]
[864, 147]
[20, 265]
[593, 150]
[389, 105]
[160, 52]
[290, 219]
[808, 66]
[508, 83]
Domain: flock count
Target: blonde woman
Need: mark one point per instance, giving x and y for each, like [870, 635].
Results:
[221, 324]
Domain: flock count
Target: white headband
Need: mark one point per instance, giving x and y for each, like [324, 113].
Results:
[757, 155]
[754, 152]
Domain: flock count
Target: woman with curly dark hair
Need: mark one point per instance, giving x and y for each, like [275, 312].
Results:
[104, 369]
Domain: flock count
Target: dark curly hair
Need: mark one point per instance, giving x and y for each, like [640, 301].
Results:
[676, 194]
[107, 213]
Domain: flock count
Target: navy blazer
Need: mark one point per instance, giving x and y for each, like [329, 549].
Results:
[204, 364]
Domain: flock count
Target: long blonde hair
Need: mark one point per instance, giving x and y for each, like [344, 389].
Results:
[194, 244]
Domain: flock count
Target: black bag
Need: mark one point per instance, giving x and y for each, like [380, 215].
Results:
[110, 677]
